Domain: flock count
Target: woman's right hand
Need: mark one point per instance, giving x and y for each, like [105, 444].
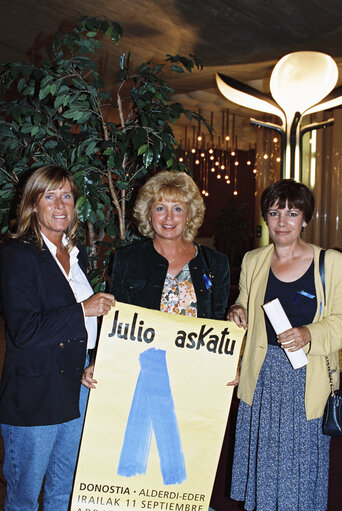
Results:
[98, 305]
[237, 314]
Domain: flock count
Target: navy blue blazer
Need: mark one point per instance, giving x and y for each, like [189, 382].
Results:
[139, 273]
[46, 338]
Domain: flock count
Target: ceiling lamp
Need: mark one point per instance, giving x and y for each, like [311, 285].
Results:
[300, 85]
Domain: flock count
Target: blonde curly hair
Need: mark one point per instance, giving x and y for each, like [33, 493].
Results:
[173, 186]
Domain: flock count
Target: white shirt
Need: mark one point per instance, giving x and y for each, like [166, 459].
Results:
[79, 285]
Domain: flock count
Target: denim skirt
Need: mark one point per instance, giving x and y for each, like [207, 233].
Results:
[281, 460]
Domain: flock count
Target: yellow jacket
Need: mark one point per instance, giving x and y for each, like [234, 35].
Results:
[326, 329]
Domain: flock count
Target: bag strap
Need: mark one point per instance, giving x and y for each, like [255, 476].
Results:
[322, 274]
[322, 271]
[332, 390]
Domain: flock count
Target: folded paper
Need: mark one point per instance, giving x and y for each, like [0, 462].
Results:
[280, 322]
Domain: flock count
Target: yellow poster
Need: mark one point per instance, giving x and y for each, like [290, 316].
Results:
[156, 420]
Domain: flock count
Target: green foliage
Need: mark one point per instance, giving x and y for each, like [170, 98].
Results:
[54, 114]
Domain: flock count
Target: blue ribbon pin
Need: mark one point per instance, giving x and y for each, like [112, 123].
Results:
[207, 281]
[303, 293]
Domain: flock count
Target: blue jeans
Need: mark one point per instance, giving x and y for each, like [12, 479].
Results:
[37, 451]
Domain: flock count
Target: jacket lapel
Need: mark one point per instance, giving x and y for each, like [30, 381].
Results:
[260, 277]
[52, 272]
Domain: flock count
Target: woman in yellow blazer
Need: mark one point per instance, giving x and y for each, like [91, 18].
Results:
[281, 458]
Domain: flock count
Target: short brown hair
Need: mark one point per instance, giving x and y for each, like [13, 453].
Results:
[174, 186]
[289, 191]
[41, 180]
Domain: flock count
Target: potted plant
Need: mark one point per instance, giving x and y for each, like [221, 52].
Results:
[59, 113]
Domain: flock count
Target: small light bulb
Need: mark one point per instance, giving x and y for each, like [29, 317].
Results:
[236, 163]
[278, 159]
[275, 140]
[222, 167]
[180, 159]
[227, 138]
[211, 151]
[197, 162]
[212, 169]
[265, 156]
[199, 138]
[235, 192]
[193, 150]
[249, 162]
[202, 155]
[218, 176]
[233, 153]
[212, 157]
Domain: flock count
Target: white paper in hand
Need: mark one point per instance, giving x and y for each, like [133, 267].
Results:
[280, 322]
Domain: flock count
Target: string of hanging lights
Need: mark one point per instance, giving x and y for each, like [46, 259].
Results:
[213, 155]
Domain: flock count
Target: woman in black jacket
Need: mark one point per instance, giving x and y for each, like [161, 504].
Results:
[50, 318]
[168, 271]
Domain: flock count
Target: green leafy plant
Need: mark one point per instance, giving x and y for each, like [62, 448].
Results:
[60, 113]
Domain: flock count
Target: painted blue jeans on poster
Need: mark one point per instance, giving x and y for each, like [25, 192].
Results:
[153, 408]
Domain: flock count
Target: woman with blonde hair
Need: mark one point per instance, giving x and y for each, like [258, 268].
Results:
[168, 271]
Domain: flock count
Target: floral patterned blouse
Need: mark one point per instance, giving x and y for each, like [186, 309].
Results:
[178, 296]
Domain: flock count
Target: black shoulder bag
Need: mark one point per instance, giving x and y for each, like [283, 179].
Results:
[332, 417]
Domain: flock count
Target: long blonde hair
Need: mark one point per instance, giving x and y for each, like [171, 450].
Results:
[41, 180]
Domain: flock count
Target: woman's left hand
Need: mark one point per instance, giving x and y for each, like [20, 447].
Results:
[236, 380]
[87, 379]
[295, 338]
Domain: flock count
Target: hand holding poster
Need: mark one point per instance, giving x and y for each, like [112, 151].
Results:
[155, 423]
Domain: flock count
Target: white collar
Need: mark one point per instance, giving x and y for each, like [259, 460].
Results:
[53, 249]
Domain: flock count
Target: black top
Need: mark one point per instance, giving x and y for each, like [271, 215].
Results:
[298, 299]
[139, 273]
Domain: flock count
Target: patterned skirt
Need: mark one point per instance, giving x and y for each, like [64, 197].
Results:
[281, 460]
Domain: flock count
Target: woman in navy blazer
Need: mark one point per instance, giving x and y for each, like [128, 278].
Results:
[50, 315]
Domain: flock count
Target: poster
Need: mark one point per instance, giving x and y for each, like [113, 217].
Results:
[156, 420]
